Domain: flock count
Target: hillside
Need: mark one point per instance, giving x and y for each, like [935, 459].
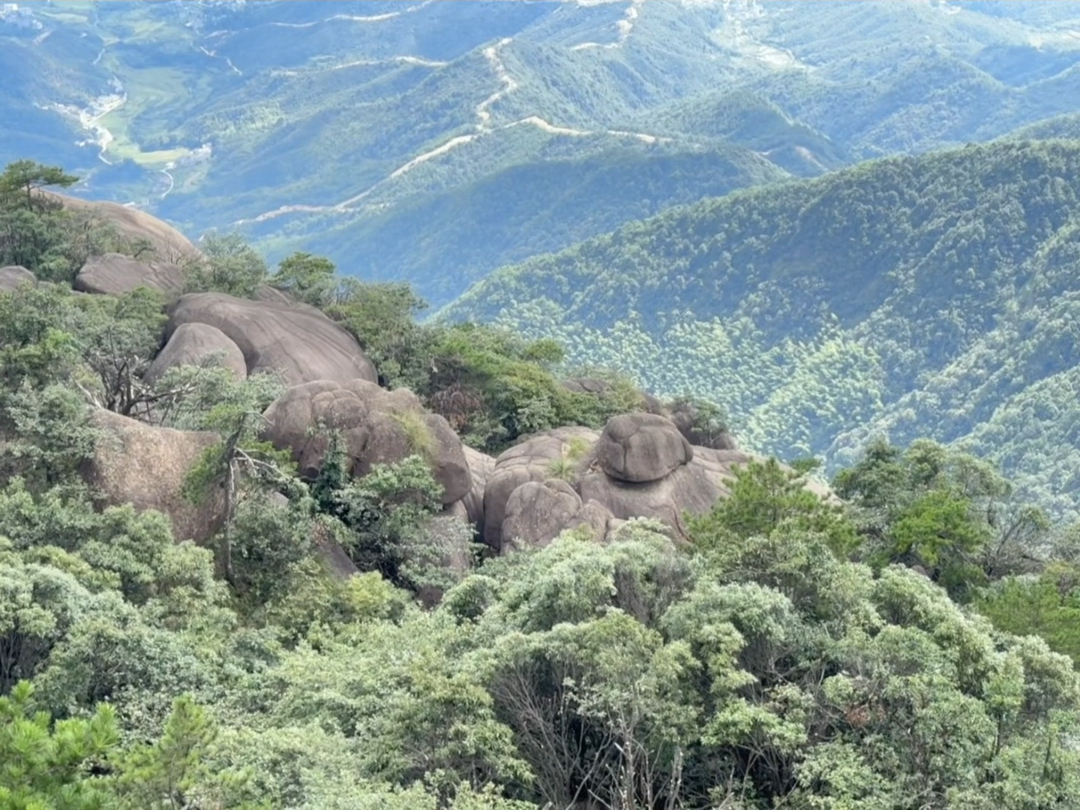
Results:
[350, 134]
[242, 567]
[931, 295]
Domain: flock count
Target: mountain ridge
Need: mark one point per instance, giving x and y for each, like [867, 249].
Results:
[855, 296]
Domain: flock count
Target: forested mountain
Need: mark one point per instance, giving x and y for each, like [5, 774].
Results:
[931, 295]
[351, 131]
[242, 566]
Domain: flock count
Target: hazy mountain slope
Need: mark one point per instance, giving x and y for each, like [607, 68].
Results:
[533, 208]
[323, 125]
[936, 295]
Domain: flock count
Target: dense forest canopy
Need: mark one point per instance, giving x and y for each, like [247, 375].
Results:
[907, 642]
[905, 297]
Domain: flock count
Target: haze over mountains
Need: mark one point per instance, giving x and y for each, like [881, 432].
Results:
[436, 141]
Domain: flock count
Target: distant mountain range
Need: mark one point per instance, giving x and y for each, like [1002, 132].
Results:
[932, 296]
[435, 141]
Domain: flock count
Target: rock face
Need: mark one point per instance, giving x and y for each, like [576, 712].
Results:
[14, 276]
[113, 274]
[297, 342]
[532, 460]
[685, 416]
[168, 243]
[471, 507]
[191, 344]
[641, 447]
[376, 426]
[537, 511]
[639, 466]
[146, 466]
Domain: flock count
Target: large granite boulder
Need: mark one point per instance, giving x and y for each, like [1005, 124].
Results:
[536, 512]
[538, 458]
[471, 507]
[533, 494]
[114, 274]
[641, 447]
[376, 427]
[167, 243]
[191, 344]
[297, 342]
[294, 419]
[698, 430]
[145, 466]
[14, 276]
[690, 488]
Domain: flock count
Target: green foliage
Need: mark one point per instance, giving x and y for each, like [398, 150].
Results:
[38, 233]
[767, 500]
[230, 266]
[46, 765]
[385, 513]
[381, 315]
[944, 510]
[176, 770]
[1045, 605]
[307, 278]
[31, 225]
[759, 288]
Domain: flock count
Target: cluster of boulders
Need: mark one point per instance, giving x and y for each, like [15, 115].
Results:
[639, 465]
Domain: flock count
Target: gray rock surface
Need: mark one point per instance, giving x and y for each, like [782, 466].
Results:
[690, 488]
[481, 466]
[686, 417]
[168, 244]
[536, 512]
[191, 344]
[641, 447]
[594, 516]
[114, 274]
[531, 460]
[376, 426]
[293, 418]
[14, 276]
[293, 340]
[146, 466]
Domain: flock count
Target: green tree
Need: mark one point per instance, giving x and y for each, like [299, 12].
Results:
[767, 499]
[229, 265]
[307, 278]
[26, 177]
[176, 771]
[46, 765]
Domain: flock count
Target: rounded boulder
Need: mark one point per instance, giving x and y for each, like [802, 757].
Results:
[294, 341]
[641, 447]
[191, 344]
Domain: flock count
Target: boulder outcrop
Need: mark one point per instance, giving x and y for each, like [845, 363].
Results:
[535, 459]
[641, 447]
[471, 507]
[639, 466]
[169, 245]
[376, 427]
[145, 466]
[193, 343]
[297, 342]
[14, 276]
[536, 512]
[114, 274]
